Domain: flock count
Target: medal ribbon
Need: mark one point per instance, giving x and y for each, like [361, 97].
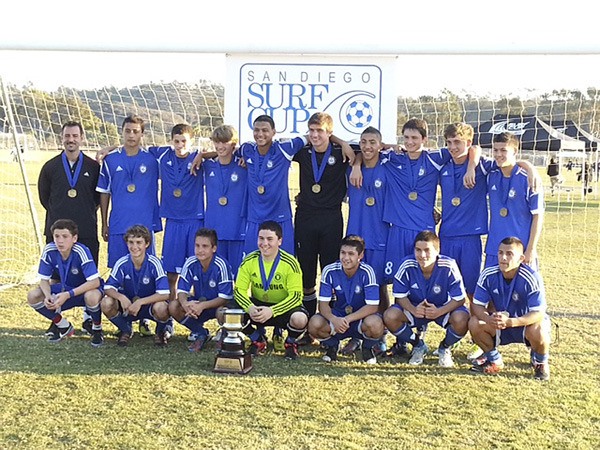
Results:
[179, 169]
[460, 174]
[349, 293]
[136, 277]
[414, 178]
[262, 167]
[223, 186]
[64, 269]
[130, 170]
[318, 170]
[503, 193]
[503, 287]
[266, 282]
[72, 179]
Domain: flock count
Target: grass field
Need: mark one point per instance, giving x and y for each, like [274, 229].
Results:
[73, 396]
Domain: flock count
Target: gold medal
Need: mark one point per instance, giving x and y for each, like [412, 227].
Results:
[413, 196]
[370, 201]
[265, 297]
[72, 193]
[131, 187]
[316, 188]
[456, 201]
[177, 193]
[260, 189]
[348, 309]
[222, 201]
[503, 212]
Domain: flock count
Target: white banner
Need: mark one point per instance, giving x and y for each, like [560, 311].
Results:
[356, 91]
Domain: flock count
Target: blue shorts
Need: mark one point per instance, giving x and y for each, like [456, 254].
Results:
[73, 302]
[442, 321]
[145, 312]
[516, 335]
[376, 259]
[354, 331]
[467, 252]
[232, 252]
[178, 242]
[117, 248]
[251, 242]
[206, 315]
[400, 244]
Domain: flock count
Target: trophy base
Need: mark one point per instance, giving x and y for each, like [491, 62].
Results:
[240, 365]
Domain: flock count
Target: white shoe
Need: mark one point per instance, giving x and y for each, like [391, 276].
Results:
[475, 353]
[445, 357]
[418, 354]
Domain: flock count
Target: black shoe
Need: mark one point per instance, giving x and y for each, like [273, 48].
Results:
[97, 338]
[62, 333]
[352, 345]
[331, 354]
[87, 327]
[398, 349]
[258, 347]
[307, 340]
[124, 338]
[541, 371]
[51, 330]
[161, 339]
[291, 350]
[368, 356]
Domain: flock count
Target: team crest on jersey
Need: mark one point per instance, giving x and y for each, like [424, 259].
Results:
[269, 164]
[331, 160]
[277, 276]
[421, 171]
[143, 168]
[234, 177]
[378, 183]
[146, 280]
[512, 193]
[74, 270]
[515, 296]
[437, 289]
[212, 283]
[357, 289]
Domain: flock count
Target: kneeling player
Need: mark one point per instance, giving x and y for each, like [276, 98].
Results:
[274, 280]
[354, 311]
[79, 283]
[137, 288]
[428, 287]
[212, 282]
[517, 295]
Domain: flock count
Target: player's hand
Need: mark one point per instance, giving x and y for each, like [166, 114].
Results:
[196, 308]
[105, 233]
[242, 162]
[101, 154]
[534, 181]
[196, 164]
[499, 320]
[125, 303]
[49, 302]
[432, 312]
[347, 153]
[356, 177]
[134, 308]
[340, 324]
[469, 178]
[420, 309]
[263, 314]
[530, 257]
[399, 149]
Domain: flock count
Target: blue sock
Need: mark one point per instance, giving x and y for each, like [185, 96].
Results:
[539, 358]
[256, 335]
[95, 313]
[40, 308]
[194, 325]
[451, 338]
[494, 355]
[405, 334]
[121, 323]
[160, 326]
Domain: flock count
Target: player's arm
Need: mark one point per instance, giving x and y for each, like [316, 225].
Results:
[480, 311]
[528, 319]
[408, 306]
[347, 151]
[356, 177]
[535, 231]
[44, 188]
[242, 284]
[433, 312]
[340, 324]
[294, 289]
[113, 292]
[363, 312]
[104, 202]
[45, 288]
[197, 162]
[473, 161]
[101, 154]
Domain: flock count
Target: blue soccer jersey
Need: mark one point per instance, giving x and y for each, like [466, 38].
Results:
[412, 187]
[365, 218]
[512, 207]
[217, 281]
[445, 283]
[524, 293]
[351, 294]
[149, 280]
[464, 211]
[181, 193]
[78, 268]
[226, 190]
[268, 197]
[132, 182]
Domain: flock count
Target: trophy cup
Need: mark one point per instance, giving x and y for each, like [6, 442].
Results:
[232, 357]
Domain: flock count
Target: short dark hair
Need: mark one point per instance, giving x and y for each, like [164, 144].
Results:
[72, 123]
[353, 240]
[416, 124]
[265, 118]
[510, 240]
[208, 233]
[132, 118]
[138, 231]
[271, 225]
[506, 138]
[65, 224]
[371, 130]
[428, 236]
[182, 128]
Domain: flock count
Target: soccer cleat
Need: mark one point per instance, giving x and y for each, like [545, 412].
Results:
[445, 357]
[61, 333]
[161, 339]
[258, 347]
[474, 353]
[381, 347]
[87, 327]
[541, 371]
[331, 354]
[398, 349]
[170, 329]
[307, 340]
[192, 336]
[97, 338]
[418, 354]
[199, 343]
[488, 367]
[279, 343]
[291, 350]
[144, 328]
[368, 355]
[51, 329]
[124, 338]
[352, 345]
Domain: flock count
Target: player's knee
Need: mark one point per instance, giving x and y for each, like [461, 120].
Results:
[372, 327]
[475, 325]
[392, 318]
[537, 334]
[460, 321]
[298, 320]
[318, 327]
[175, 310]
[35, 296]
[92, 298]
[109, 306]
[160, 311]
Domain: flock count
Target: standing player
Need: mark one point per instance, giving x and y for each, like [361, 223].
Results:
[128, 177]
[515, 209]
[226, 188]
[517, 294]
[353, 312]
[137, 288]
[428, 288]
[79, 283]
[209, 277]
[268, 288]
[67, 190]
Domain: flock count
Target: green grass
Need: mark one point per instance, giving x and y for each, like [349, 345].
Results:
[70, 395]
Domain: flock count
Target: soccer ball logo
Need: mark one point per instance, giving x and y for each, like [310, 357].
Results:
[359, 114]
